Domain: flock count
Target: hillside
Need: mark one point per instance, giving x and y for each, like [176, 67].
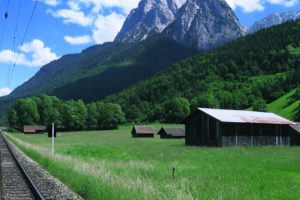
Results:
[286, 106]
[100, 70]
[127, 65]
[256, 68]
[153, 56]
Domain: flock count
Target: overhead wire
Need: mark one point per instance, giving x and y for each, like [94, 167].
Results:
[4, 24]
[22, 42]
[14, 41]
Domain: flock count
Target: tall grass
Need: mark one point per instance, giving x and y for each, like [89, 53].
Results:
[112, 165]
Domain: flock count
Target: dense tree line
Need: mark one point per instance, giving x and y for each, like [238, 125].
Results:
[67, 115]
[250, 72]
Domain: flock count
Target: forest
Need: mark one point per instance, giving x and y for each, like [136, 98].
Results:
[67, 115]
[247, 73]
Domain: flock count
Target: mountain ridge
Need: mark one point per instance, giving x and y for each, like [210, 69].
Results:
[193, 23]
[273, 19]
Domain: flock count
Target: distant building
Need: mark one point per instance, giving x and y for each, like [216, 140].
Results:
[34, 129]
[217, 127]
[171, 133]
[143, 131]
[295, 134]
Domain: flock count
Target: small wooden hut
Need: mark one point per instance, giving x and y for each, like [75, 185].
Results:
[165, 133]
[34, 129]
[217, 127]
[143, 131]
[295, 134]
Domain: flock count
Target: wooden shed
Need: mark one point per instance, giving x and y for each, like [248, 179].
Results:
[171, 133]
[34, 129]
[295, 134]
[143, 131]
[217, 127]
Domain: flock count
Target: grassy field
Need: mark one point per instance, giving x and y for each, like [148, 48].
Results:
[112, 165]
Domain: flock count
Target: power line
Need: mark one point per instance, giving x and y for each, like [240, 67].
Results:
[14, 41]
[19, 50]
[4, 24]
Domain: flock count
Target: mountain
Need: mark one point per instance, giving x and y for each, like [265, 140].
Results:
[102, 70]
[249, 72]
[126, 68]
[203, 24]
[151, 17]
[274, 19]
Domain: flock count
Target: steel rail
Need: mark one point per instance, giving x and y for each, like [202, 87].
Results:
[35, 191]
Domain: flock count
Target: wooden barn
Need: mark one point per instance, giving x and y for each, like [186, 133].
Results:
[34, 129]
[295, 134]
[143, 131]
[217, 127]
[171, 133]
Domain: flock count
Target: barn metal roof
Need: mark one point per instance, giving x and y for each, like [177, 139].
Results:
[239, 116]
[296, 127]
[144, 129]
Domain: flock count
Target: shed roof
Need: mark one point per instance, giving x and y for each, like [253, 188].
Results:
[144, 129]
[33, 129]
[296, 127]
[174, 131]
[239, 116]
[29, 129]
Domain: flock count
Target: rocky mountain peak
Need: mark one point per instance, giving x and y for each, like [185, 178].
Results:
[205, 24]
[151, 16]
[274, 19]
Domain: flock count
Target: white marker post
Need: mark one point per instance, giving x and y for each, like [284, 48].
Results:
[52, 139]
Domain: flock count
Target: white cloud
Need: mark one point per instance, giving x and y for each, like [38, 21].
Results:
[74, 5]
[38, 54]
[84, 39]
[51, 2]
[72, 16]
[5, 91]
[98, 5]
[258, 5]
[247, 5]
[286, 3]
[90, 13]
[107, 27]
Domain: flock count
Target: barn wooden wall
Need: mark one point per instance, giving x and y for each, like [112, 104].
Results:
[203, 130]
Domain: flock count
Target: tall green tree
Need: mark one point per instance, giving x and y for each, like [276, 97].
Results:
[27, 112]
[177, 109]
[74, 115]
[92, 116]
[49, 109]
[12, 118]
[109, 115]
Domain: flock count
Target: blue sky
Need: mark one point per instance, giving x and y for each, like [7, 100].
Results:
[60, 27]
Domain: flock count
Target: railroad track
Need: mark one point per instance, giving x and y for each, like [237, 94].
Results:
[15, 181]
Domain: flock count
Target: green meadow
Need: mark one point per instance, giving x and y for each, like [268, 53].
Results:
[112, 165]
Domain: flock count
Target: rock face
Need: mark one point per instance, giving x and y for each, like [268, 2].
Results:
[151, 16]
[274, 19]
[205, 24]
